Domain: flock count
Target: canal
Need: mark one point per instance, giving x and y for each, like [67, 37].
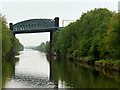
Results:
[31, 69]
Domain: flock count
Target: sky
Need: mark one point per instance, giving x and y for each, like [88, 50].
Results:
[20, 10]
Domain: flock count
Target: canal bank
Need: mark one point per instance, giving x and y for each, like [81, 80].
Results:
[106, 65]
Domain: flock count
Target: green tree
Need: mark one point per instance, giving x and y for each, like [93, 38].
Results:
[112, 39]
[95, 34]
[10, 45]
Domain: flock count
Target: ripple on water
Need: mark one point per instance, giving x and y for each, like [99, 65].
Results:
[33, 81]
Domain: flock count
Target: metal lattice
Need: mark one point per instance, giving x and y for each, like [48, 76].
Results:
[34, 24]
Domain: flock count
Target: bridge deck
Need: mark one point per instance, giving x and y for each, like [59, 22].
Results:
[38, 30]
[35, 26]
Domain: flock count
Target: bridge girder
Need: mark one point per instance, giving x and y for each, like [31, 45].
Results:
[35, 25]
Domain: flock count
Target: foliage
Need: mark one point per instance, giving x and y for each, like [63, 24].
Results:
[96, 33]
[112, 39]
[10, 45]
[42, 47]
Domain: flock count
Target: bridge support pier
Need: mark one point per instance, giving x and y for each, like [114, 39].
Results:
[11, 28]
[51, 54]
[56, 24]
[51, 46]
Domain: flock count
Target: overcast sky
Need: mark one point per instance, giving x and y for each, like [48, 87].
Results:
[20, 10]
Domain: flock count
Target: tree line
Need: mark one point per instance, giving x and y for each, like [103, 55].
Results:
[9, 43]
[94, 36]
[96, 33]
[42, 47]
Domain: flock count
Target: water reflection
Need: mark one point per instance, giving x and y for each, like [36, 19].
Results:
[83, 76]
[8, 69]
[31, 69]
[32, 81]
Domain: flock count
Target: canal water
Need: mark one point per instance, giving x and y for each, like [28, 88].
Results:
[31, 69]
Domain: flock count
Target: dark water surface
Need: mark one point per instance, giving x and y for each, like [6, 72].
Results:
[31, 69]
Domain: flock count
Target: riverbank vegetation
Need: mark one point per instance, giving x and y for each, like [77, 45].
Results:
[93, 37]
[10, 45]
[42, 47]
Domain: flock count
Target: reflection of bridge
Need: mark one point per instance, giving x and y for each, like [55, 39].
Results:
[37, 26]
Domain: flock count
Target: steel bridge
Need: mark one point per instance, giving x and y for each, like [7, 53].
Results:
[37, 26]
